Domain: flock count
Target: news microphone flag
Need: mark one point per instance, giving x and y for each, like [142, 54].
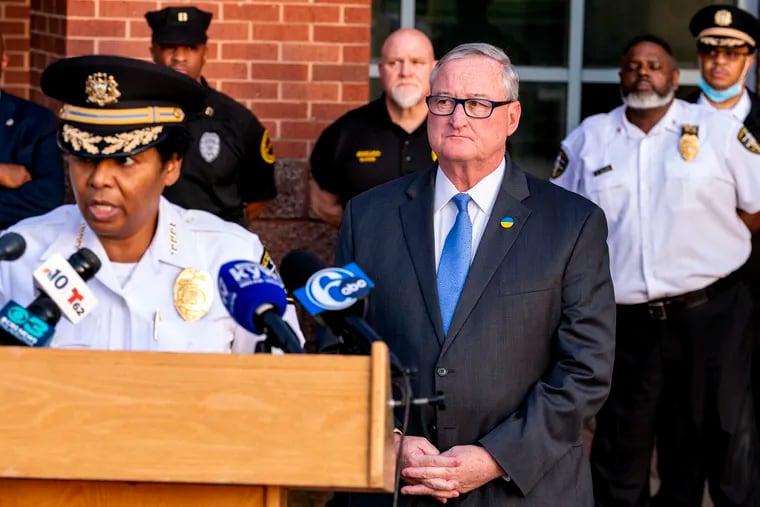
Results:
[333, 289]
[24, 326]
[58, 279]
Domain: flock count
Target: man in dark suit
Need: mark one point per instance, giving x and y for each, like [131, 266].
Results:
[498, 293]
[31, 170]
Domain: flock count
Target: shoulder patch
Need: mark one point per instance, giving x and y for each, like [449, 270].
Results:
[267, 262]
[747, 140]
[267, 148]
[560, 164]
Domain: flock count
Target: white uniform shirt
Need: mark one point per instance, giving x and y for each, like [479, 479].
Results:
[740, 110]
[673, 226]
[141, 314]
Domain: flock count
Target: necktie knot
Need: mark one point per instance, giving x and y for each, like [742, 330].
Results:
[461, 200]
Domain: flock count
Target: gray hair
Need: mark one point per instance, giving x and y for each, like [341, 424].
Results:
[510, 79]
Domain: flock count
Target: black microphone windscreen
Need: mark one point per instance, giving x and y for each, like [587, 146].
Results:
[297, 267]
[12, 246]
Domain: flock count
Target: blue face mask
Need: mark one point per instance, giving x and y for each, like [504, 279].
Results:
[720, 95]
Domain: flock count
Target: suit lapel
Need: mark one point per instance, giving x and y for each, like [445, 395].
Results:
[417, 225]
[494, 245]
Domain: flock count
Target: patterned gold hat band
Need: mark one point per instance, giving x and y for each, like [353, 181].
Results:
[134, 116]
[718, 31]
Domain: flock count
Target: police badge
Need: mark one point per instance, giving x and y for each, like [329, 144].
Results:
[209, 145]
[193, 294]
[688, 146]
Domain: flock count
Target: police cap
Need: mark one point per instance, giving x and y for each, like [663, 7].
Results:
[182, 26]
[725, 25]
[115, 106]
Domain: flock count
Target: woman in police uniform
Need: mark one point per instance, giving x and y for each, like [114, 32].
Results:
[123, 137]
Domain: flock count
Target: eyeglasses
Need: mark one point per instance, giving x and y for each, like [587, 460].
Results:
[730, 54]
[441, 105]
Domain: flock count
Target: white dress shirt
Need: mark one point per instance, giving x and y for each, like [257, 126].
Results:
[739, 111]
[135, 308]
[673, 226]
[482, 198]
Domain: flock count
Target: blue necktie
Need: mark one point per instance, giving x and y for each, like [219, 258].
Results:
[455, 261]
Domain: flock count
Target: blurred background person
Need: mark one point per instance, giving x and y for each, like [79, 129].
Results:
[229, 168]
[31, 169]
[382, 140]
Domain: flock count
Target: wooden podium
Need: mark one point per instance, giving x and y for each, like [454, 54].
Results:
[141, 429]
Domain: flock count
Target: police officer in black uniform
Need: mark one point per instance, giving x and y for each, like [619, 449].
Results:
[229, 169]
[382, 140]
[727, 39]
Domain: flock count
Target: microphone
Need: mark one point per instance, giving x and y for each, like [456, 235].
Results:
[12, 246]
[64, 282]
[256, 299]
[62, 289]
[335, 297]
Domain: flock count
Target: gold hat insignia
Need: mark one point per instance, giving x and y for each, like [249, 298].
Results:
[723, 18]
[193, 294]
[102, 89]
[688, 146]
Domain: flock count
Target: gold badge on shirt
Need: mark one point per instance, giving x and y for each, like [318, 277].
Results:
[193, 294]
[688, 146]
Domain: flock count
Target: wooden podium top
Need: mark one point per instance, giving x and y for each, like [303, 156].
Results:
[314, 421]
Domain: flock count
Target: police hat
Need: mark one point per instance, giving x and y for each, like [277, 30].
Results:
[115, 106]
[183, 26]
[725, 25]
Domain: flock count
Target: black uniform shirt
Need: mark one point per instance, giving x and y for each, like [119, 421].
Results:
[230, 161]
[364, 148]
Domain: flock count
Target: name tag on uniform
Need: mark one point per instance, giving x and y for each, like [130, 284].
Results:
[368, 155]
[603, 170]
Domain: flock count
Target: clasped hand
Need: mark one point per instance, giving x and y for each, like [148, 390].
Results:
[444, 475]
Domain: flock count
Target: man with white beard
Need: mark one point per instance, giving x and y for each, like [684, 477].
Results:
[382, 140]
[670, 176]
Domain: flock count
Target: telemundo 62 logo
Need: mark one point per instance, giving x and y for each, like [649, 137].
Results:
[334, 289]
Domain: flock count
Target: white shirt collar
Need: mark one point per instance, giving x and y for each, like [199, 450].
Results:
[483, 194]
[740, 110]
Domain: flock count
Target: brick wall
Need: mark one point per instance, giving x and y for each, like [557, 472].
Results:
[298, 64]
[14, 24]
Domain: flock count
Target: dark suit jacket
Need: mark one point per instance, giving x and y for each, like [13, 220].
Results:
[528, 357]
[28, 138]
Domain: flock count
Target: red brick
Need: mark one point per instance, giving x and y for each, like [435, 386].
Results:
[123, 9]
[251, 12]
[139, 28]
[279, 109]
[302, 129]
[78, 27]
[355, 3]
[16, 43]
[292, 149]
[249, 90]
[314, 91]
[17, 90]
[17, 77]
[355, 92]
[280, 71]
[212, 7]
[77, 47]
[212, 51]
[57, 26]
[310, 53]
[362, 15]
[16, 59]
[226, 70]
[331, 112]
[39, 24]
[132, 48]
[312, 14]
[15, 27]
[249, 51]
[342, 73]
[86, 8]
[16, 12]
[229, 30]
[280, 32]
[348, 34]
[356, 54]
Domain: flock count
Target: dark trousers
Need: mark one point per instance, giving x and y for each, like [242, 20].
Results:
[685, 383]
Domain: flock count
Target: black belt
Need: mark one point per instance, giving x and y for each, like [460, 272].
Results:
[659, 309]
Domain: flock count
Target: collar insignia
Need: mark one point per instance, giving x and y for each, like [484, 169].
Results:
[102, 89]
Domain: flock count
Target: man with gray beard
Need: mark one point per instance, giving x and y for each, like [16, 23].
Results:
[670, 176]
[382, 140]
